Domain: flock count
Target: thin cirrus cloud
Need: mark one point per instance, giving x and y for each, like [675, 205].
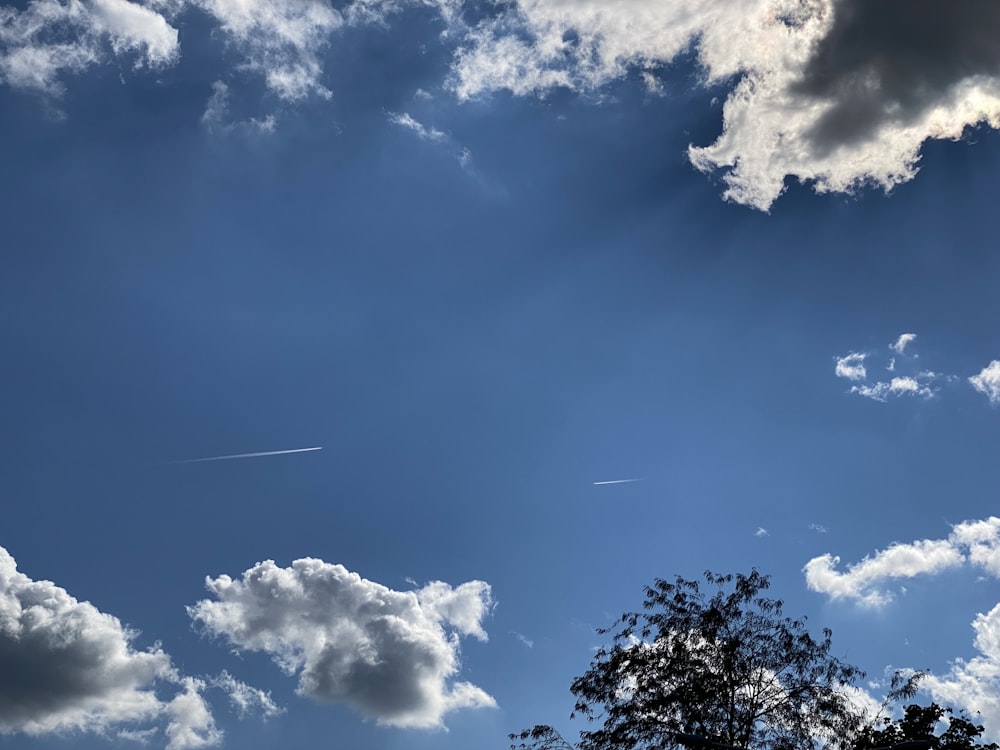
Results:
[838, 94]
[974, 683]
[392, 655]
[65, 666]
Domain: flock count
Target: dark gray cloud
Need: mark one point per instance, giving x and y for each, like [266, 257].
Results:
[889, 61]
[390, 654]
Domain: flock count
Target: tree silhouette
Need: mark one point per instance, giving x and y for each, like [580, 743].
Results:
[729, 668]
[924, 724]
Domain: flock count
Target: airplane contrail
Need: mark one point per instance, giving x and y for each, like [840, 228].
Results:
[248, 455]
[619, 481]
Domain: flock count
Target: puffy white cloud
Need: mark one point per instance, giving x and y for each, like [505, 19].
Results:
[862, 580]
[838, 93]
[923, 383]
[66, 666]
[987, 382]
[972, 542]
[975, 684]
[900, 344]
[390, 654]
[851, 367]
[191, 724]
[48, 38]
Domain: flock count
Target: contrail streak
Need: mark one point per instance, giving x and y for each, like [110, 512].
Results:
[619, 481]
[248, 455]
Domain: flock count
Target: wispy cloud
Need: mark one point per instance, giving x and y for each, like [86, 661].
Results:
[910, 382]
[405, 120]
[761, 532]
[523, 639]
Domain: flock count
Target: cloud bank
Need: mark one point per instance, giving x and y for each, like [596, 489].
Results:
[66, 666]
[974, 683]
[835, 93]
[392, 655]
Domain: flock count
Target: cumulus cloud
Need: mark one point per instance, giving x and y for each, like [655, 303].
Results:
[987, 382]
[973, 542]
[851, 367]
[834, 93]
[392, 655]
[67, 666]
[862, 580]
[973, 684]
[837, 93]
[900, 344]
[922, 383]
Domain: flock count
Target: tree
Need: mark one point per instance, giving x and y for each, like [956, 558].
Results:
[924, 723]
[729, 667]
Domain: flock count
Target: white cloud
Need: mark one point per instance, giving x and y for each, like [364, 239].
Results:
[923, 383]
[390, 654]
[245, 699]
[48, 38]
[528, 643]
[404, 120]
[761, 532]
[973, 684]
[836, 93]
[899, 386]
[282, 40]
[216, 118]
[973, 542]
[851, 367]
[987, 382]
[900, 345]
[66, 666]
[862, 580]
[191, 724]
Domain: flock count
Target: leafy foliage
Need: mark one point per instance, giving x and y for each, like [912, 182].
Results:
[924, 723]
[729, 667]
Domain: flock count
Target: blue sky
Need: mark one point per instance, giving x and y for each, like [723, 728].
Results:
[485, 256]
